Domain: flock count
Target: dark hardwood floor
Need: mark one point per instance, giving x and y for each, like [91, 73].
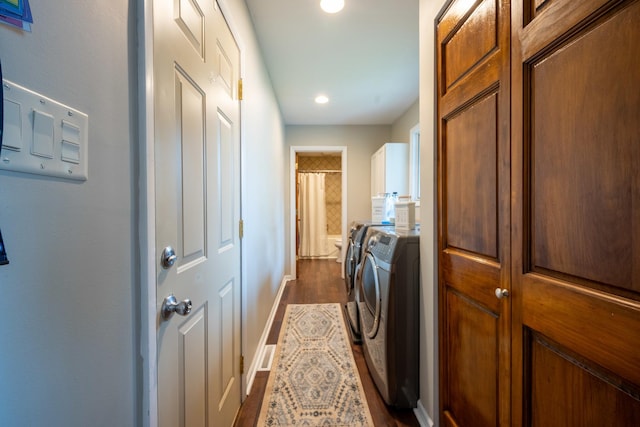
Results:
[320, 281]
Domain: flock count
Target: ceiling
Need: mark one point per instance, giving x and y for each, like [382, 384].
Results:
[364, 58]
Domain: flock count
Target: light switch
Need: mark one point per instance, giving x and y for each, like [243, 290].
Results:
[70, 142]
[12, 137]
[70, 152]
[3, 252]
[42, 135]
[70, 132]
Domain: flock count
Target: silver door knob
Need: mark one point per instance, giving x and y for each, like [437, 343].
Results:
[168, 257]
[171, 305]
[502, 293]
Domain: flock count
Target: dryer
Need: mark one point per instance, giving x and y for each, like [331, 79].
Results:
[388, 307]
[351, 264]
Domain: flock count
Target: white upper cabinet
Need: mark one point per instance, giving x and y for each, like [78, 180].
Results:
[390, 169]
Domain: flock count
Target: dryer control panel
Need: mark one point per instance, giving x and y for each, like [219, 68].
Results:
[382, 245]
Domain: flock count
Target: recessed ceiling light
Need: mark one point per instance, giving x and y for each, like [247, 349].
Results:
[332, 6]
[321, 99]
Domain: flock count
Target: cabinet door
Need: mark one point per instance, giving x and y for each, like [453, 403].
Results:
[396, 164]
[576, 214]
[390, 169]
[473, 213]
[378, 171]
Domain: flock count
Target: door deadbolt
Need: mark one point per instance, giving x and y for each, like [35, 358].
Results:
[168, 257]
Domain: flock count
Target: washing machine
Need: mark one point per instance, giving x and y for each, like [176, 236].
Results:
[352, 258]
[388, 294]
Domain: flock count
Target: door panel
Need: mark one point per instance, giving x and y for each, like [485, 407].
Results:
[470, 155]
[474, 219]
[226, 200]
[193, 368]
[197, 165]
[561, 401]
[469, 45]
[190, 19]
[190, 123]
[576, 275]
[581, 189]
[227, 377]
[472, 332]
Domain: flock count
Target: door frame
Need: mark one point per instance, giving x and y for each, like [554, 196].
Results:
[297, 149]
[148, 316]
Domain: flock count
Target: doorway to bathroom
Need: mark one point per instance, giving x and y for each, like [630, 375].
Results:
[318, 182]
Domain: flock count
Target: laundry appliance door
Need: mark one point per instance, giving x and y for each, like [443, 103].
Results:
[370, 296]
[350, 267]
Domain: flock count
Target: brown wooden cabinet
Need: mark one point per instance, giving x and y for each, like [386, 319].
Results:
[539, 212]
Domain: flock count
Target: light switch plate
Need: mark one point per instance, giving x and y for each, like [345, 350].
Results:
[45, 137]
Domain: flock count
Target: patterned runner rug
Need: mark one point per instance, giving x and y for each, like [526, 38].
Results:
[314, 380]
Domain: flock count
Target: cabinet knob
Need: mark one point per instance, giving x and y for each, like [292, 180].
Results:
[502, 293]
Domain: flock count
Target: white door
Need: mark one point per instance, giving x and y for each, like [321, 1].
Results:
[197, 162]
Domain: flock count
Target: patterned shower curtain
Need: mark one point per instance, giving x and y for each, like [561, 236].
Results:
[313, 215]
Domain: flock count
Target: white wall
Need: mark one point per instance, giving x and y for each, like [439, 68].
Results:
[68, 324]
[361, 142]
[428, 237]
[403, 124]
[400, 132]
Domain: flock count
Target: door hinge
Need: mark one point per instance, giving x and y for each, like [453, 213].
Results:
[239, 89]
[241, 229]
[241, 365]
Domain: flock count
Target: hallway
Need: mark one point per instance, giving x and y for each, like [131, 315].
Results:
[319, 281]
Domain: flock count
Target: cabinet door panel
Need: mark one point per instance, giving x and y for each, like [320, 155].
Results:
[472, 344]
[576, 212]
[561, 401]
[473, 212]
[390, 169]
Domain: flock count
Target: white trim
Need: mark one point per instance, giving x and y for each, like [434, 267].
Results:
[414, 163]
[225, 8]
[422, 416]
[257, 358]
[292, 194]
[147, 229]
[266, 357]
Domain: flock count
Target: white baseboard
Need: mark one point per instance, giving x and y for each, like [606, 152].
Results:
[257, 357]
[422, 416]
